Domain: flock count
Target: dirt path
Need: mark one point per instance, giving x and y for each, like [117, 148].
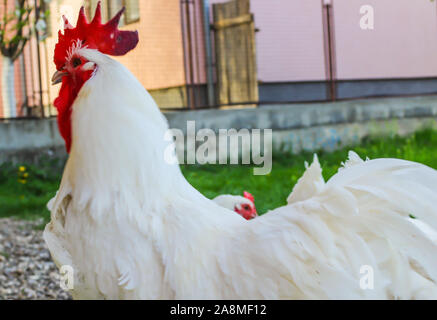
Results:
[26, 269]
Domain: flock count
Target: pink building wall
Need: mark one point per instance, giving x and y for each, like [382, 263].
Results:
[290, 40]
[403, 43]
[289, 43]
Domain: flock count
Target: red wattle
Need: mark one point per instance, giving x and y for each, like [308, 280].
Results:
[67, 95]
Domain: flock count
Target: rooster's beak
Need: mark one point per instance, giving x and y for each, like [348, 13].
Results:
[57, 77]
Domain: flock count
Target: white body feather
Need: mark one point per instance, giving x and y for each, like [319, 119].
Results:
[132, 227]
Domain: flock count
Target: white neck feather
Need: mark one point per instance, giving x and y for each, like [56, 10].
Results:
[118, 140]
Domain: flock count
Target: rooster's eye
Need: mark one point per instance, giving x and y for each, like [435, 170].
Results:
[76, 62]
[246, 207]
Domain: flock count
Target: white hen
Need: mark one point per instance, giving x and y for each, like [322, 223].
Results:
[131, 226]
[243, 205]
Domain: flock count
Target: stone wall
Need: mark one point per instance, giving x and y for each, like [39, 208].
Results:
[295, 127]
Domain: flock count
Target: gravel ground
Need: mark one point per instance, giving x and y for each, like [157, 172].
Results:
[26, 269]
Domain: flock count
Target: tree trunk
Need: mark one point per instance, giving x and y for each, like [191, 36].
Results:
[8, 88]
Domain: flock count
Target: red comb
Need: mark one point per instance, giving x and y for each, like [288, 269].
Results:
[104, 37]
[248, 196]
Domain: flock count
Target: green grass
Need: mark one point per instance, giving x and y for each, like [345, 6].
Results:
[28, 200]
[24, 193]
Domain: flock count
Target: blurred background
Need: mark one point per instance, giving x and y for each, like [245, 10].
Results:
[197, 54]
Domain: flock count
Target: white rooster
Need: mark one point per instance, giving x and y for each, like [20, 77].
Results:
[132, 227]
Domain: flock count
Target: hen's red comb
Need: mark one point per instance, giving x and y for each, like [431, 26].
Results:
[248, 196]
[104, 37]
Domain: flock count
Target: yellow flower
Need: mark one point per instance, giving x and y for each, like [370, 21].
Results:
[22, 168]
[25, 175]
[22, 181]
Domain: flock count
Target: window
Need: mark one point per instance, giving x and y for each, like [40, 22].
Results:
[111, 7]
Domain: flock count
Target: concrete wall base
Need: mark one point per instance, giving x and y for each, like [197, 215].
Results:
[296, 127]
